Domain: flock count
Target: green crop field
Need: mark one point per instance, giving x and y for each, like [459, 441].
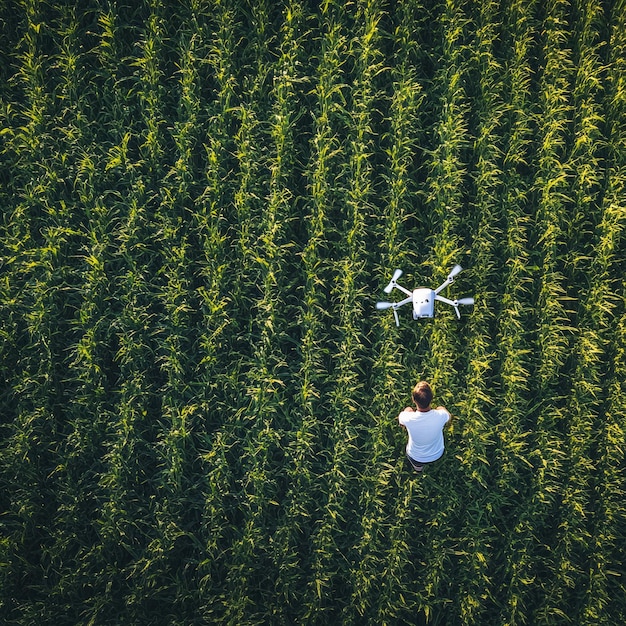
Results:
[201, 202]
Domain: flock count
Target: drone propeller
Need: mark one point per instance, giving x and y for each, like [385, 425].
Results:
[381, 306]
[461, 301]
[392, 283]
[454, 271]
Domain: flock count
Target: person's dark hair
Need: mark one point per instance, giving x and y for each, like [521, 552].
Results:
[422, 394]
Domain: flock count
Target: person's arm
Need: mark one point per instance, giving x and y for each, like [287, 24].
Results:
[410, 410]
[449, 422]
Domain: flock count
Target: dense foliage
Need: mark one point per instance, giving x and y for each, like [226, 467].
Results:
[201, 202]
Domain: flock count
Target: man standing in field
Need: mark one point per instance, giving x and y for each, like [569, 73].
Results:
[425, 427]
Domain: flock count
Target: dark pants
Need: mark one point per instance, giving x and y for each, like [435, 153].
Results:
[417, 465]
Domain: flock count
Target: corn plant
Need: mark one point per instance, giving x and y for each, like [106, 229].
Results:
[574, 537]
[263, 266]
[444, 199]
[476, 437]
[150, 89]
[378, 482]
[513, 453]
[554, 326]
[329, 123]
[215, 382]
[397, 597]
[596, 317]
[299, 495]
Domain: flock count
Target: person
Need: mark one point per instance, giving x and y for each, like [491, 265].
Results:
[424, 426]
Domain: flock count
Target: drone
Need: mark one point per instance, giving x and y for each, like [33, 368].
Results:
[423, 298]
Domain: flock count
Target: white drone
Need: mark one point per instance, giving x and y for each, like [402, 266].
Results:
[423, 299]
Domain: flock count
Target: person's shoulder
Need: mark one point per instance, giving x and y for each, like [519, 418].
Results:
[443, 412]
[406, 414]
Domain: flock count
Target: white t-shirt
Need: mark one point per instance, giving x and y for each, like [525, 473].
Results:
[425, 433]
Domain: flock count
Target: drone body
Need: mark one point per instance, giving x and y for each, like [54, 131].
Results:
[423, 303]
[423, 299]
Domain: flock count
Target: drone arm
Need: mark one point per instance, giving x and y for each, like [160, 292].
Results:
[396, 305]
[405, 301]
[455, 270]
[450, 302]
[442, 299]
[443, 285]
[381, 306]
[403, 290]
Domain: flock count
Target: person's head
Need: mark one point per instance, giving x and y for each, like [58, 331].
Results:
[422, 395]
